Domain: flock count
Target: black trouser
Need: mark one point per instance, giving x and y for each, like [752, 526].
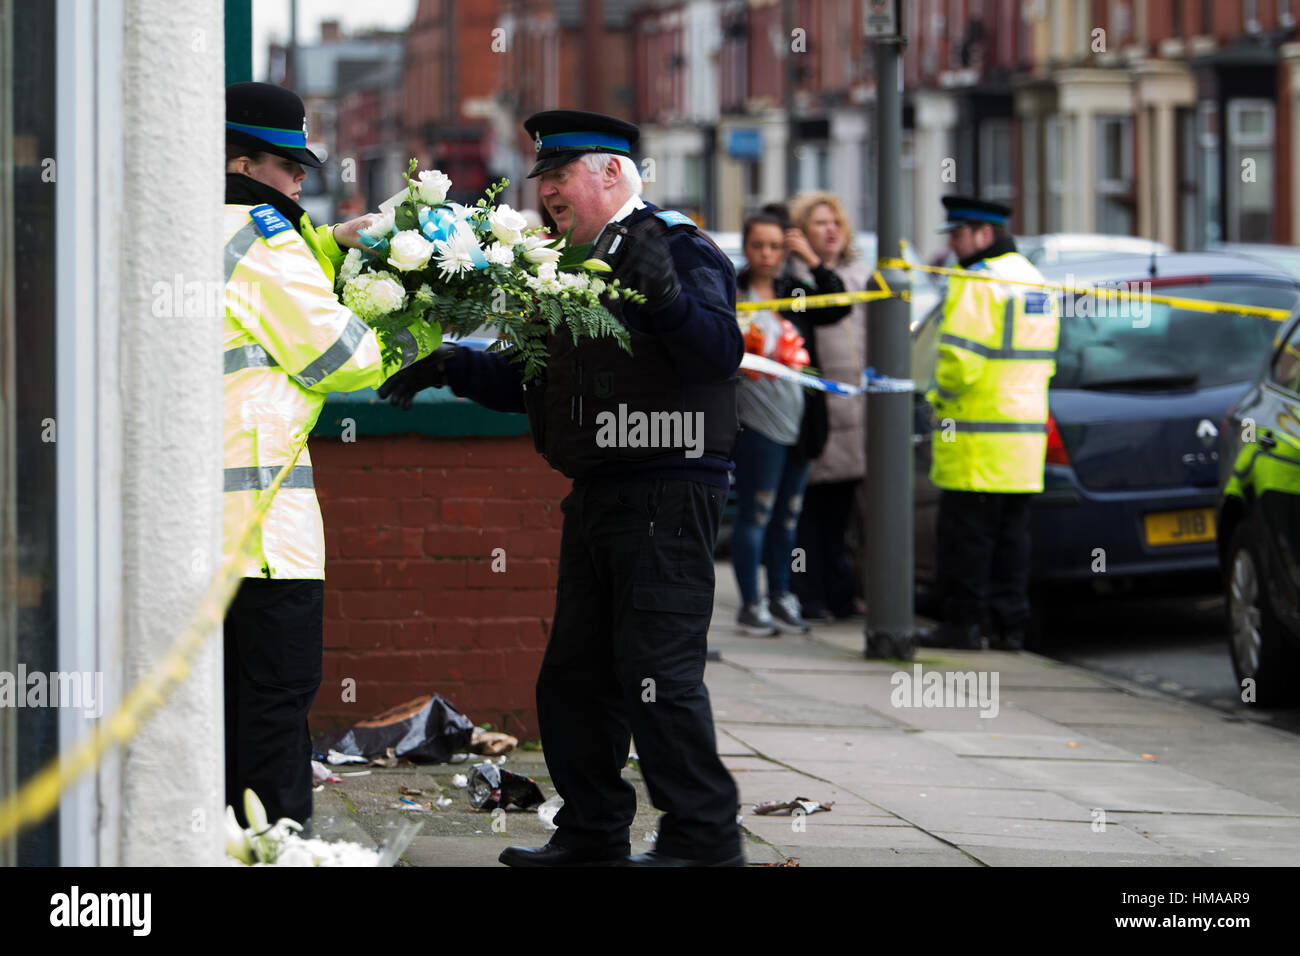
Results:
[983, 558]
[827, 582]
[273, 637]
[626, 659]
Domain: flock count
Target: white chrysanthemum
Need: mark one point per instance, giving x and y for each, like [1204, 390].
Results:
[374, 294]
[499, 255]
[596, 285]
[572, 280]
[507, 224]
[409, 250]
[455, 255]
[432, 186]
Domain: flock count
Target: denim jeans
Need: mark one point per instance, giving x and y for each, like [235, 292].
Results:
[770, 480]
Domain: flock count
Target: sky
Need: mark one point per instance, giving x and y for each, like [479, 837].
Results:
[271, 21]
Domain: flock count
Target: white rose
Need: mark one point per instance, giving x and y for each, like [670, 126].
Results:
[499, 254]
[433, 186]
[409, 250]
[507, 224]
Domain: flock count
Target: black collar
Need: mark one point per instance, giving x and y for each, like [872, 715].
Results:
[243, 190]
[1000, 247]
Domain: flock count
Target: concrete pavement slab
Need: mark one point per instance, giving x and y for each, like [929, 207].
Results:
[1127, 786]
[1036, 746]
[1220, 840]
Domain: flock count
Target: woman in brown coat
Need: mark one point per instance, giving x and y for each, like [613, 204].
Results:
[826, 588]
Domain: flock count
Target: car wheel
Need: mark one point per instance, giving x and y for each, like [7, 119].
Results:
[1255, 638]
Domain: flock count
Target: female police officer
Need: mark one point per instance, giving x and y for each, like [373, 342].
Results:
[287, 343]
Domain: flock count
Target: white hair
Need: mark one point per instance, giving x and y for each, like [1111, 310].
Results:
[628, 173]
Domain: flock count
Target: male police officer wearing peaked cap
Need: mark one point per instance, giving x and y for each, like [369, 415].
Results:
[997, 348]
[635, 593]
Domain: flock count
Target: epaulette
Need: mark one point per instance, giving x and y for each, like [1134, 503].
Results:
[269, 221]
[671, 218]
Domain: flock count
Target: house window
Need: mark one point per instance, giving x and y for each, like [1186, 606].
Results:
[995, 161]
[1115, 175]
[1250, 15]
[1054, 173]
[1031, 201]
[1250, 171]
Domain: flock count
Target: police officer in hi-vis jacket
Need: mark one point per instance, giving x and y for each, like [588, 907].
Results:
[287, 343]
[997, 352]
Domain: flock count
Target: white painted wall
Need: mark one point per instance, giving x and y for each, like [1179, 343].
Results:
[170, 430]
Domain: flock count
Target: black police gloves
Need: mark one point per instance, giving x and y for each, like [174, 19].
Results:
[647, 265]
[429, 372]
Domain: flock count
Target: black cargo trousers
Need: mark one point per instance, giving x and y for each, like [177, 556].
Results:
[626, 660]
[273, 641]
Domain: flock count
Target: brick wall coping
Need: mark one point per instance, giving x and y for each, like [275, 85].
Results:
[436, 411]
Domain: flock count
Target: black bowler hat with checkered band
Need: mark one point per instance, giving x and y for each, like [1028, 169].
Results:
[561, 136]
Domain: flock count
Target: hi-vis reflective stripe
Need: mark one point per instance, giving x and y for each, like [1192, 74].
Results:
[410, 348]
[258, 479]
[337, 355]
[238, 245]
[247, 356]
[989, 428]
[1009, 354]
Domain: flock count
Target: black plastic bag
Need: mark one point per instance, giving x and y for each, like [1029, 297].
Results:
[426, 730]
[490, 787]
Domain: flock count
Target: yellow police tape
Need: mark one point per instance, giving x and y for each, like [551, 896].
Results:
[32, 802]
[799, 303]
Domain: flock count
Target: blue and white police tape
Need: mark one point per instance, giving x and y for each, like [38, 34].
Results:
[872, 381]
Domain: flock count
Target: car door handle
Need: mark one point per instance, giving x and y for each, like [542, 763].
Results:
[1266, 440]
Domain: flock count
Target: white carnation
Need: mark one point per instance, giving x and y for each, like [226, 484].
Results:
[433, 186]
[381, 225]
[499, 255]
[409, 250]
[507, 224]
[547, 270]
[374, 294]
[351, 267]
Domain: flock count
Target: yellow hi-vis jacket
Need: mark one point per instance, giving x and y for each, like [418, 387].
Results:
[997, 351]
[288, 342]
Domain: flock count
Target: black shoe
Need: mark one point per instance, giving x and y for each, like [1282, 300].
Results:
[955, 637]
[655, 858]
[553, 855]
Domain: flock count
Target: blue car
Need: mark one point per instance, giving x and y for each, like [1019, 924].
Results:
[1140, 393]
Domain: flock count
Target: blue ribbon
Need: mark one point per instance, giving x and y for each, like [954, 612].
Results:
[440, 223]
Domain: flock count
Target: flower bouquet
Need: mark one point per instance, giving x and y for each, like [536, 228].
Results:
[460, 269]
[789, 349]
[279, 844]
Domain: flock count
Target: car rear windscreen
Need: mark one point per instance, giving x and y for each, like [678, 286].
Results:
[1140, 345]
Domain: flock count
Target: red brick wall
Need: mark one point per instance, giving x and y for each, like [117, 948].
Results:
[412, 605]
